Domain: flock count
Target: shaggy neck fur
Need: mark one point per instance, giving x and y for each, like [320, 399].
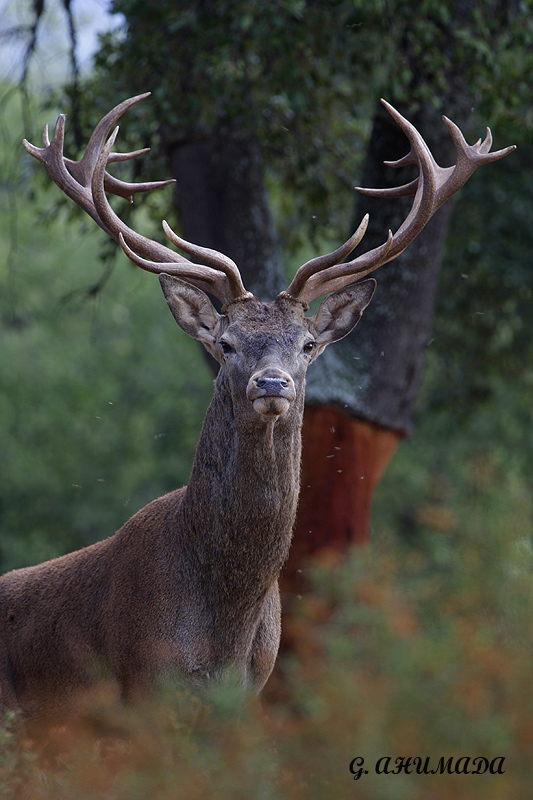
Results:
[240, 504]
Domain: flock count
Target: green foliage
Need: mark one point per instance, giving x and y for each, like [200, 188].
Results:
[281, 71]
[261, 64]
[451, 54]
[482, 342]
[101, 396]
[304, 78]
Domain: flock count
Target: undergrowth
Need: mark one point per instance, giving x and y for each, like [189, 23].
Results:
[408, 649]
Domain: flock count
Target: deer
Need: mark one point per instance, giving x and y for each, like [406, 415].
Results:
[187, 589]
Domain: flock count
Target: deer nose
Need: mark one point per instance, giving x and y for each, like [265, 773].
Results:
[271, 381]
[271, 391]
[272, 385]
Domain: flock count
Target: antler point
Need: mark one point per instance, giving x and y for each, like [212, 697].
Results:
[112, 139]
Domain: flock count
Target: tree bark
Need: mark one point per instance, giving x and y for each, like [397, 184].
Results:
[361, 393]
[345, 458]
[222, 204]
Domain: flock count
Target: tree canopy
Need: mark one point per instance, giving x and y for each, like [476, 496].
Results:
[304, 77]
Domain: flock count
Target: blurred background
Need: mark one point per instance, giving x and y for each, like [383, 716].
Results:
[410, 591]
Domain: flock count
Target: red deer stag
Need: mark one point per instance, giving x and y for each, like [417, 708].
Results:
[189, 585]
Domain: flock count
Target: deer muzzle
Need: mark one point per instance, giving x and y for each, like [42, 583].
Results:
[271, 391]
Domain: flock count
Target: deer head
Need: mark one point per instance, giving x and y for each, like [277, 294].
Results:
[265, 348]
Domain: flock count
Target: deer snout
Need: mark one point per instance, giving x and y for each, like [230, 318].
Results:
[272, 385]
[271, 391]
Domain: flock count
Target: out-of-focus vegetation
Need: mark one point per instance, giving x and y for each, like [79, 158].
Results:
[420, 647]
[101, 398]
[406, 652]
[316, 70]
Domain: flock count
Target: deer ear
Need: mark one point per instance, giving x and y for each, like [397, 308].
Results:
[193, 311]
[339, 313]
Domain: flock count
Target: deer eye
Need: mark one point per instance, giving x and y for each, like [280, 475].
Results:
[226, 347]
[309, 347]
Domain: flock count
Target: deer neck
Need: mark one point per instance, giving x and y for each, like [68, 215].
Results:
[240, 503]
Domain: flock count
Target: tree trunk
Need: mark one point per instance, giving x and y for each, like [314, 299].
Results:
[361, 392]
[344, 460]
[222, 204]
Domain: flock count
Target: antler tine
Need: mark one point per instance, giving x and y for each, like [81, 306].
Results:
[212, 258]
[307, 270]
[127, 190]
[86, 165]
[155, 257]
[123, 188]
[469, 158]
[46, 138]
[87, 181]
[407, 190]
[431, 189]
[199, 275]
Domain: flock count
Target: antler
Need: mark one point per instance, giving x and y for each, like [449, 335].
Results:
[87, 181]
[431, 189]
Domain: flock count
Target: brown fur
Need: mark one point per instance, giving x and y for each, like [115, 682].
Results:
[188, 586]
